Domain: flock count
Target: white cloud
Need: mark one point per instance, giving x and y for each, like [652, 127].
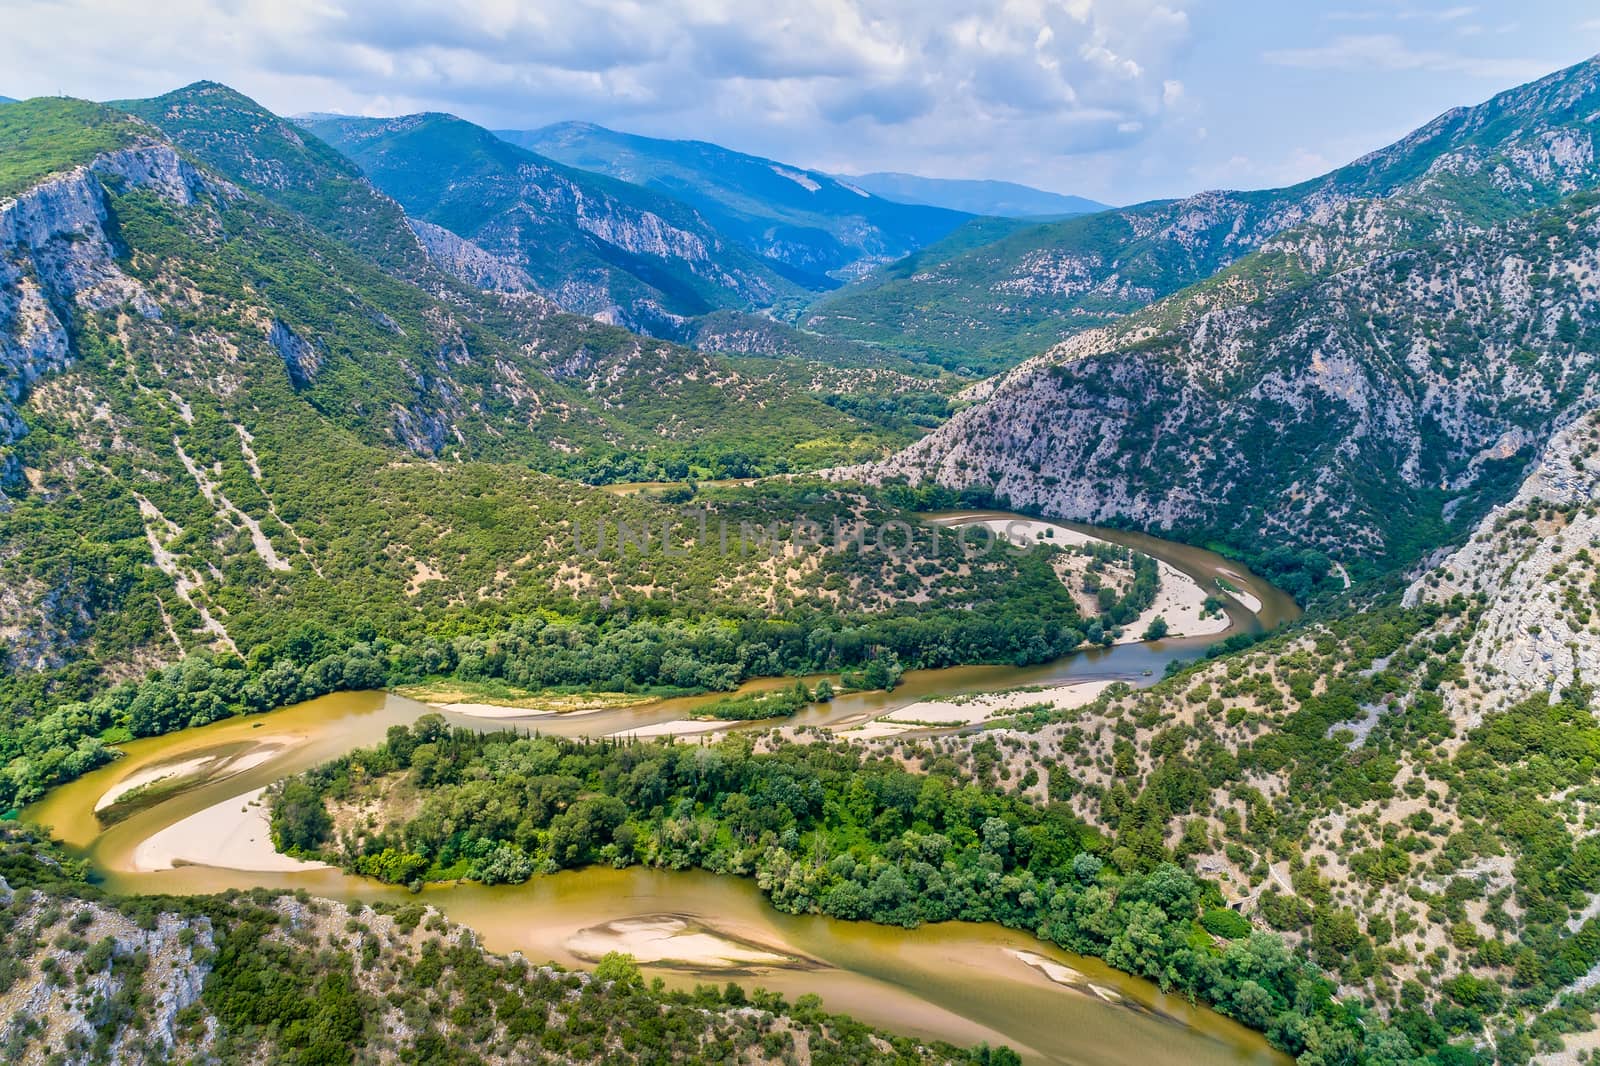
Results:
[1386, 51]
[822, 82]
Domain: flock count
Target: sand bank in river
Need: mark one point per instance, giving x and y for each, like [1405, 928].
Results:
[665, 938]
[233, 835]
[203, 765]
[980, 707]
[500, 710]
[1238, 592]
[1064, 975]
[678, 727]
[492, 710]
[1180, 599]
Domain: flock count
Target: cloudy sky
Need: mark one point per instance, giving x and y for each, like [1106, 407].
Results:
[1120, 100]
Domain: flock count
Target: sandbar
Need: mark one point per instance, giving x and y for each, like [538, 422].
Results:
[665, 939]
[232, 835]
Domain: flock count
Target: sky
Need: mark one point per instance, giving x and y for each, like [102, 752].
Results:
[1119, 100]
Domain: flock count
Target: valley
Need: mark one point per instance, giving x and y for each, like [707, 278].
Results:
[484, 594]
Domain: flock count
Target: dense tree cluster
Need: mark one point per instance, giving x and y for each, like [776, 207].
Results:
[827, 830]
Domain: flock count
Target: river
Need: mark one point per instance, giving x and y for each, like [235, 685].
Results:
[954, 981]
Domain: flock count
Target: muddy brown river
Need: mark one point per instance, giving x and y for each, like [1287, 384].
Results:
[953, 981]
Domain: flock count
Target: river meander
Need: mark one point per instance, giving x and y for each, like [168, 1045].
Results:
[954, 981]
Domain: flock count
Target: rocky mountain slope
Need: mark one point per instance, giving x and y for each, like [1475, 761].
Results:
[1361, 384]
[820, 227]
[212, 409]
[996, 304]
[1006, 199]
[1405, 790]
[595, 245]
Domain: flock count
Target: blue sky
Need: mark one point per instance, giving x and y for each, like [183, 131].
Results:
[1121, 100]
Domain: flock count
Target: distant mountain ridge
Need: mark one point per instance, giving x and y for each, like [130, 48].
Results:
[593, 244]
[994, 305]
[1004, 199]
[821, 226]
[1376, 372]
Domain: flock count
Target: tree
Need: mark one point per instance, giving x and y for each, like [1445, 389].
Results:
[617, 967]
[300, 822]
[1156, 629]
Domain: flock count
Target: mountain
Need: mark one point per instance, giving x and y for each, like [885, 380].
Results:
[214, 412]
[991, 306]
[7, 100]
[1003, 199]
[1362, 385]
[820, 227]
[594, 245]
[1397, 788]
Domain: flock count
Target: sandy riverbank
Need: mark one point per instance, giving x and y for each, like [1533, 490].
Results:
[492, 710]
[678, 727]
[1251, 602]
[233, 835]
[980, 707]
[1180, 599]
[663, 938]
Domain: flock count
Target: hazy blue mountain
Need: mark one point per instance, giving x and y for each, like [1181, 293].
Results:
[1004, 198]
[8, 99]
[594, 244]
[812, 222]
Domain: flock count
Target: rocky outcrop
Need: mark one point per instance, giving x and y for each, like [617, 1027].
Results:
[464, 260]
[161, 967]
[58, 253]
[1533, 559]
[300, 358]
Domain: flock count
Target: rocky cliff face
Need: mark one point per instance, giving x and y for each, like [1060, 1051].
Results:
[1533, 559]
[57, 253]
[463, 259]
[1354, 386]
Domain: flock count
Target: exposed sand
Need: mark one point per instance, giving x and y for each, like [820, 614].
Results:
[501, 710]
[150, 776]
[875, 730]
[1179, 599]
[676, 728]
[232, 835]
[1065, 975]
[664, 938]
[1250, 602]
[1059, 972]
[201, 765]
[980, 707]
